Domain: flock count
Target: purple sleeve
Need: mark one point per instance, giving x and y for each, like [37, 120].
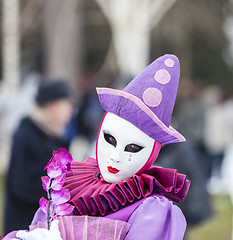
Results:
[10, 236]
[155, 219]
[39, 216]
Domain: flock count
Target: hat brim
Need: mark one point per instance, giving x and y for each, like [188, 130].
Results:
[132, 109]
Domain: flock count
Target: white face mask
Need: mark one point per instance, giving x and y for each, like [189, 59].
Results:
[122, 149]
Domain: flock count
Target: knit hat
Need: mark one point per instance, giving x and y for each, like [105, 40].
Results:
[148, 100]
[51, 90]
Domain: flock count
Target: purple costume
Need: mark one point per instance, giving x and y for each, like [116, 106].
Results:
[137, 207]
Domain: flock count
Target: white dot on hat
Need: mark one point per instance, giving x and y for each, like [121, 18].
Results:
[162, 76]
[152, 97]
[169, 62]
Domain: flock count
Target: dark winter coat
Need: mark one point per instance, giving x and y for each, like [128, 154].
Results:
[187, 159]
[30, 153]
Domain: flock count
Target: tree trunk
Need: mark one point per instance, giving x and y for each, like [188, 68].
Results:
[11, 74]
[131, 23]
[62, 39]
[11, 51]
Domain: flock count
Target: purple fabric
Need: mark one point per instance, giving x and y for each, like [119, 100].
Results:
[146, 79]
[151, 218]
[152, 158]
[155, 219]
[39, 216]
[10, 236]
[124, 213]
[132, 104]
[89, 228]
[92, 196]
[127, 109]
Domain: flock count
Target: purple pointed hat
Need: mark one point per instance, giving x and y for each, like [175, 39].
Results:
[148, 100]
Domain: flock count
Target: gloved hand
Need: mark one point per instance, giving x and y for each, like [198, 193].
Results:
[41, 233]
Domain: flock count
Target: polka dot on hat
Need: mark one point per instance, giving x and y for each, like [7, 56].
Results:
[152, 97]
[162, 76]
[169, 62]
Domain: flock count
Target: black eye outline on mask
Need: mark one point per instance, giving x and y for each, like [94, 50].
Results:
[110, 139]
[132, 147]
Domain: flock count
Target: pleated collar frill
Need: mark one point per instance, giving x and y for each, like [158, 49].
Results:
[95, 197]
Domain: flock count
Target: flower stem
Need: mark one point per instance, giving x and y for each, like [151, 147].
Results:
[48, 213]
[49, 202]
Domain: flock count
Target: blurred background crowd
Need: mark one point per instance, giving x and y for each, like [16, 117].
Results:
[85, 44]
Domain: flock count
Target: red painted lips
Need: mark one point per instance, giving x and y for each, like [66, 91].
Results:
[113, 170]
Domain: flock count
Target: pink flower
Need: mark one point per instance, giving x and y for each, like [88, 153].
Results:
[54, 168]
[64, 155]
[58, 182]
[45, 182]
[59, 163]
[64, 209]
[62, 196]
[44, 206]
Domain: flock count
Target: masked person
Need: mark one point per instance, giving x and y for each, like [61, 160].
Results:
[120, 195]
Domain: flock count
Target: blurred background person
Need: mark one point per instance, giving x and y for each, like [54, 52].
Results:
[83, 127]
[32, 146]
[190, 156]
